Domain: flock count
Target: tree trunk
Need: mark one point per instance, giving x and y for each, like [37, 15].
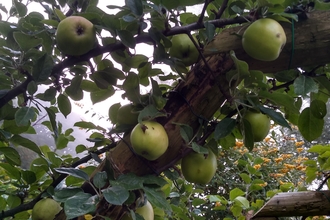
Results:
[200, 95]
[309, 203]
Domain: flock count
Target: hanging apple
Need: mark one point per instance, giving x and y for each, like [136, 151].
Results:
[146, 211]
[45, 209]
[199, 168]
[126, 115]
[184, 49]
[149, 140]
[75, 36]
[260, 124]
[264, 39]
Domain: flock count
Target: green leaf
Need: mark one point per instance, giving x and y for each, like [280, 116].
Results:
[19, 140]
[129, 181]
[127, 38]
[74, 91]
[64, 104]
[209, 30]
[12, 171]
[199, 149]
[303, 85]
[24, 115]
[52, 118]
[186, 132]
[156, 198]
[136, 6]
[63, 194]
[280, 99]
[21, 8]
[28, 176]
[243, 202]
[49, 94]
[73, 172]
[309, 126]
[241, 66]
[42, 68]
[235, 193]
[104, 78]
[11, 155]
[101, 94]
[115, 195]
[248, 138]
[276, 116]
[80, 204]
[245, 177]
[149, 112]
[224, 128]
[26, 41]
[136, 61]
[100, 179]
[318, 109]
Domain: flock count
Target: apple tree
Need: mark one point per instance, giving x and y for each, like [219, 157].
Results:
[201, 95]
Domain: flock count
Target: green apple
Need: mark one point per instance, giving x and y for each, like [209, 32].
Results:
[184, 49]
[199, 168]
[260, 124]
[126, 115]
[149, 140]
[264, 39]
[45, 209]
[146, 211]
[75, 36]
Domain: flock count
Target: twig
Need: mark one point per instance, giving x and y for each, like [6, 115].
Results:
[201, 18]
[222, 9]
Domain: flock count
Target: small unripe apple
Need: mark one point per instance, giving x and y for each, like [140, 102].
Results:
[146, 211]
[149, 140]
[75, 36]
[45, 209]
[264, 39]
[126, 115]
[199, 168]
[184, 49]
[260, 124]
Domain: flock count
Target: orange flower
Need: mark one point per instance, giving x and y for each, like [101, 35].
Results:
[266, 160]
[217, 204]
[239, 144]
[299, 149]
[299, 143]
[284, 170]
[257, 166]
[277, 160]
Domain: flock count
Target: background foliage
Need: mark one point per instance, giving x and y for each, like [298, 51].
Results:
[40, 88]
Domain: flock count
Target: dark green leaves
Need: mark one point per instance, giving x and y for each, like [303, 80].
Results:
[26, 42]
[116, 195]
[64, 104]
[135, 6]
[310, 126]
[42, 68]
[24, 115]
[74, 172]
[303, 85]
[224, 128]
[79, 204]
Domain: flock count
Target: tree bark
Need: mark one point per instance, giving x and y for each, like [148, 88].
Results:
[200, 95]
[309, 203]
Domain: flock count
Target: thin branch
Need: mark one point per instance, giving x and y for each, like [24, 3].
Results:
[222, 9]
[201, 18]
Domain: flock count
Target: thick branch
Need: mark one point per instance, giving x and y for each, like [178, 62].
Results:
[307, 203]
